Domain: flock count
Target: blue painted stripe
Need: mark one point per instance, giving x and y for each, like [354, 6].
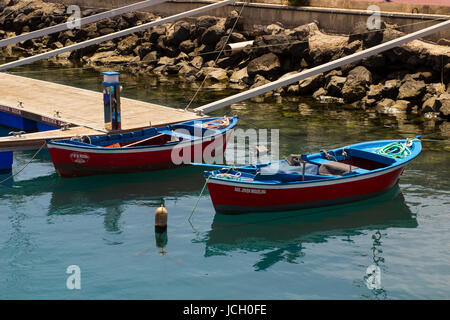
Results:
[17, 122]
[45, 127]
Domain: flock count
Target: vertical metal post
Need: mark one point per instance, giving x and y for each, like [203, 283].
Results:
[111, 100]
[303, 170]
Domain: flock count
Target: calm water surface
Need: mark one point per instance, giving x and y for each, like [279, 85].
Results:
[105, 224]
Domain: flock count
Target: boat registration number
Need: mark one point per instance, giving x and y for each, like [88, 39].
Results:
[246, 190]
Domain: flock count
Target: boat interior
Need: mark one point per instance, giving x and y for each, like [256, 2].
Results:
[323, 165]
[166, 135]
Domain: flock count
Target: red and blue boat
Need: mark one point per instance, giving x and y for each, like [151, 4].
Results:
[145, 150]
[355, 172]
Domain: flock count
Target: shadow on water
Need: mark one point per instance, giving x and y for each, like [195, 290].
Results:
[282, 235]
[68, 196]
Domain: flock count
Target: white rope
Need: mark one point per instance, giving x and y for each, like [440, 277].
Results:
[220, 53]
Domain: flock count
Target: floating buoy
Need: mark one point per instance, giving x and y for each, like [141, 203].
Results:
[160, 219]
[161, 228]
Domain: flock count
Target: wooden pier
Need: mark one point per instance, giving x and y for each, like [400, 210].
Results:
[77, 112]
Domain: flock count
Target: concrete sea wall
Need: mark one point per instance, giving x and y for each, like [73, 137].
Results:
[332, 19]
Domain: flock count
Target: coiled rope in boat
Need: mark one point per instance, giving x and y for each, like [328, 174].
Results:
[397, 150]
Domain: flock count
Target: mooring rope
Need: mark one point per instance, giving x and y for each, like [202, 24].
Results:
[397, 150]
[26, 165]
[198, 200]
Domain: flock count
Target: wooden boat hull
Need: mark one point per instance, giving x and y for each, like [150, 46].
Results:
[337, 176]
[144, 150]
[233, 198]
[77, 162]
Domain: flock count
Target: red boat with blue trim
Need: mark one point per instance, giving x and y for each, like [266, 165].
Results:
[341, 175]
[145, 150]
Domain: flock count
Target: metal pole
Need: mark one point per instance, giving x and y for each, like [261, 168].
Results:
[111, 36]
[87, 20]
[322, 68]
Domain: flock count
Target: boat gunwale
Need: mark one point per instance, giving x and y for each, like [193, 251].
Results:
[273, 184]
[67, 144]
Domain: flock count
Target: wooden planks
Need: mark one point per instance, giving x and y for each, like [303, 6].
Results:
[81, 109]
[79, 106]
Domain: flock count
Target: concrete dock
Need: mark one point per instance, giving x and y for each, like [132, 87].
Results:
[76, 111]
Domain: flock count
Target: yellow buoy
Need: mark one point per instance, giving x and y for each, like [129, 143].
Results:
[161, 228]
[161, 218]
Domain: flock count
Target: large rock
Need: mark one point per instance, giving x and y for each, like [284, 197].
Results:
[335, 85]
[240, 76]
[172, 69]
[280, 44]
[163, 61]
[375, 91]
[100, 57]
[229, 62]
[234, 21]
[204, 22]
[150, 58]
[186, 70]
[384, 105]
[178, 32]
[444, 101]
[435, 89]
[374, 62]
[352, 47]
[424, 75]
[267, 65]
[216, 74]
[274, 28]
[311, 84]
[447, 73]
[156, 32]
[187, 46]
[213, 34]
[357, 82]
[259, 81]
[118, 60]
[197, 62]
[431, 105]
[321, 92]
[360, 75]
[412, 90]
[390, 89]
[237, 37]
[323, 47]
[143, 49]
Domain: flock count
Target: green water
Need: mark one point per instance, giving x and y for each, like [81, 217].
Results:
[105, 224]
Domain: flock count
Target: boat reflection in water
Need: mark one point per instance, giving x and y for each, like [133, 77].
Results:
[80, 196]
[284, 233]
[93, 192]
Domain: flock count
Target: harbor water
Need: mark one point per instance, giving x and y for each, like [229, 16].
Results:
[105, 224]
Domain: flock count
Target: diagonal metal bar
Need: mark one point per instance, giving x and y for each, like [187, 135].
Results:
[322, 68]
[111, 36]
[82, 21]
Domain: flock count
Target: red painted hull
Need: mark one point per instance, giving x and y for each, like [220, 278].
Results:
[77, 162]
[232, 198]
